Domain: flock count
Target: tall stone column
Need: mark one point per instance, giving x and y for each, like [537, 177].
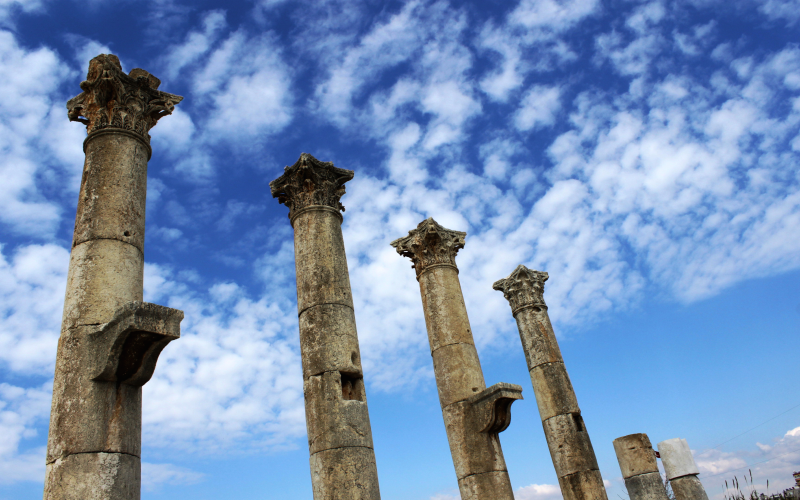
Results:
[637, 460]
[681, 470]
[339, 435]
[566, 434]
[110, 340]
[473, 415]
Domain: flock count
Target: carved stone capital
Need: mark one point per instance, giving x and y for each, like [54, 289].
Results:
[112, 99]
[523, 287]
[127, 347]
[310, 182]
[430, 244]
[492, 407]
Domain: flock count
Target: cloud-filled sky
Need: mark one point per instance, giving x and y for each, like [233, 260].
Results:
[644, 153]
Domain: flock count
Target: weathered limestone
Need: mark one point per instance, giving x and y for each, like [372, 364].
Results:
[110, 340]
[681, 470]
[637, 460]
[473, 414]
[566, 434]
[339, 435]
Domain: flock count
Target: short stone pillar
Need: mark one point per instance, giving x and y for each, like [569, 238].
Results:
[110, 340]
[473, 414]
[566, 434]
[681, 470]
[637, 461]
[339, 435]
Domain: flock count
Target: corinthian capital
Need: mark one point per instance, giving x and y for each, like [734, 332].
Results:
[110, 98]
[430, 244]
[310, 182]
[523, 287]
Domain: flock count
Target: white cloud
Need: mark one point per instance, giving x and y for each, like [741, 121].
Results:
[788, 10]
[156, 475]
[552, 15]
[22, 411]
[538, 107]
[538, 492]
[196, 44]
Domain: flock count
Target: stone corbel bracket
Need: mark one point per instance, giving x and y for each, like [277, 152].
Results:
[126, 348]
[492, 407]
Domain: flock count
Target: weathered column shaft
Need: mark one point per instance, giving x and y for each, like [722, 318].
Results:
[337, 418]
[681, 470]
[467, 405]
[108, 338]
[570, 447]
[637, 461]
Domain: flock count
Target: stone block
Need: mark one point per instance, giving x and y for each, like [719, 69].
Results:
[328, 340]
[677, 458]
[443, 304]
[491, 408]
[94, 476]
[538, 338]
[494, 485]
[104, 275]
[635, 455]
[473, 452]
[320, 260]
[345, 474]
[583, 485]
[111, 204]
[688, 488]
[570, 447]
[458, 373]
[553, 390]
[336, 412]
[647, 486]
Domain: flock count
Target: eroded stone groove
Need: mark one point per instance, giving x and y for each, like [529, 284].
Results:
[110, 340]
[570, 447]
[337, 418]
[474, 415]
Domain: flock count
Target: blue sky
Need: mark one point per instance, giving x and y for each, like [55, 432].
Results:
[644, 153]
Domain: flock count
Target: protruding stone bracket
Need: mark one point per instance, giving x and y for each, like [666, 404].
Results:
[492, 407]
[126, 348]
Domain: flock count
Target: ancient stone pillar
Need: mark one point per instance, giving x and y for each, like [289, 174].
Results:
[681, 470]
[339, 434]
[637, 460]
[566, 434]
[110, 340]
[473, 415]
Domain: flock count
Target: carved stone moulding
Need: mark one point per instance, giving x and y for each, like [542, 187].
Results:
[429, 245]
[523, 287]
[310, 182]
[112, 99]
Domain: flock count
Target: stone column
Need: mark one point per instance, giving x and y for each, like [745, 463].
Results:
[637, 460]
[110, 340]
[566, 434]
[681, 470]
[473, 415]
[339, 435]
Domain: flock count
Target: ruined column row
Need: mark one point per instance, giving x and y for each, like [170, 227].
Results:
[110, 340]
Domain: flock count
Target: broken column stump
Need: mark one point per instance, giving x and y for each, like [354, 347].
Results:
[681, 470]
[473, 414]
[339, 435]
[110, 340]
[637, 461]
[570, 448]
